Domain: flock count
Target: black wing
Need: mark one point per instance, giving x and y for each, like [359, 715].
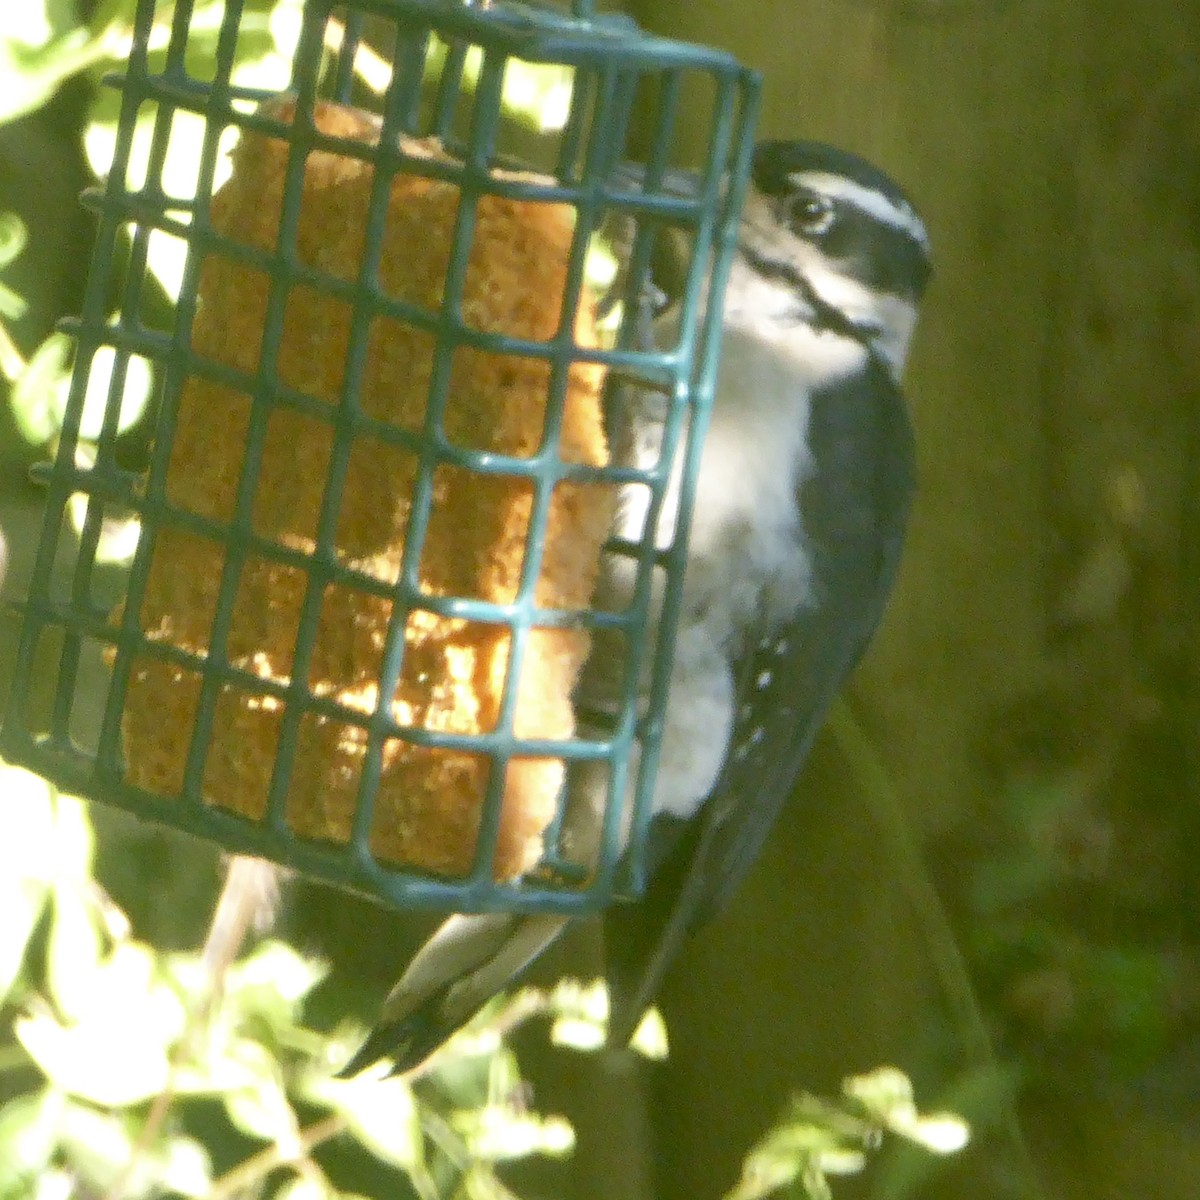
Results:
[855, 510]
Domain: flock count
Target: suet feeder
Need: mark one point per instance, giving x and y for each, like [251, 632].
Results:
[369, 516]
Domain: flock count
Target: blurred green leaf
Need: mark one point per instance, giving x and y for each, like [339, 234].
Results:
[38, 394]
[27, 802]
[818, 1138]
[119, 535]
[763, 1174]
[537, 94]
[75, 946]
[41, 392]
[185, 1166]
[26, 857]
[1000, 883]
[99, 1145]
[886, 1094]
[31, 74]
[109, 13]
[120, 1053]
[580, 1014]
[906, 1167]
[223, 1062]
[74, 840]
[73, 952]
[577, 1033]
[13, 239]
[306, 1188]
[940, 1133]
[464, 1066]
[29, 1129]
[267, 36]
[262, 1110]
[503, 1132]
[42, 42]
[104, 1150]
[380, 1113]
[38, 21]
[89, 1061]
[21, 901]
[127, 1058]
[650, 1038]
[273, 979]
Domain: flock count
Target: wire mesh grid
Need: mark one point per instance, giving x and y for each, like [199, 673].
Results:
[269, 373]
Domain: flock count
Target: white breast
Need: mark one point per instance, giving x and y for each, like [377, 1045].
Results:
[748, 567]
[748, 560]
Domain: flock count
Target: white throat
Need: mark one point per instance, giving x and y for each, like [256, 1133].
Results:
[886, 319]
[767, 311]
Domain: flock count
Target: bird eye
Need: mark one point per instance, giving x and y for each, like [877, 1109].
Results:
[809, 213]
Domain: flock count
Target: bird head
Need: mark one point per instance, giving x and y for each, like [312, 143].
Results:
[829, 241]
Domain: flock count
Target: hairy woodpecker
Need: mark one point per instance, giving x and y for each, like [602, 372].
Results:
[801, 504]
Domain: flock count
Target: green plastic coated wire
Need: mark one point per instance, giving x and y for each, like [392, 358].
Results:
[449, 65]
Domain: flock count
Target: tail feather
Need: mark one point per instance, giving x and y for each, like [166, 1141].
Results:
[472, 957]
[408, 1042]
[462, 966]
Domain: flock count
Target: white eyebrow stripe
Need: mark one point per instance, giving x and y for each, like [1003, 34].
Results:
[895, 213]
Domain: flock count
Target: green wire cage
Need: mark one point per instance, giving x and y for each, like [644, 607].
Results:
[358, 597]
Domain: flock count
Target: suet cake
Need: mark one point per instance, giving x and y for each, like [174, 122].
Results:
[427, 809]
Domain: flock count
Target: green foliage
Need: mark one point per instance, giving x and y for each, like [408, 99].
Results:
[120, 1050]
[121, 1053]
[41, 46]
[13, 239]
[819, 1138]
[43, 43]
[40, 391]
[1057, 979]
[267, 36]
